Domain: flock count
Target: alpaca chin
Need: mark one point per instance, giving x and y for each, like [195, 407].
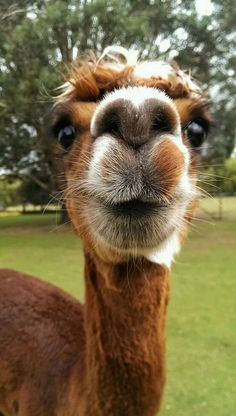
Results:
[133, 229]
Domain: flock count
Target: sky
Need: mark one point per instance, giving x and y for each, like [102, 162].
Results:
[204, 7]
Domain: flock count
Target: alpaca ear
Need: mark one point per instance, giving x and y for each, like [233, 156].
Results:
[119, 57]
[189, 72]
[174, 65]
[176, 68]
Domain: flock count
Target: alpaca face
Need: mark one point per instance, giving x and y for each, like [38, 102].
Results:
[138, 176]
[131, 169]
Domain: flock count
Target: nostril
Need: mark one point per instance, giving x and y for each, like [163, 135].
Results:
[161, 124]
[162, 116]
[111, 124]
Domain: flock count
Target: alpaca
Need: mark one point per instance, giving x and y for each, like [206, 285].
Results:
[130, 134]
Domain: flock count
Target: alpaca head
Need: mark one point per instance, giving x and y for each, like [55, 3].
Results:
[131, 136]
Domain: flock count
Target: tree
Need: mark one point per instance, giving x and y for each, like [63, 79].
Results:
[9, 195]
[32, 192]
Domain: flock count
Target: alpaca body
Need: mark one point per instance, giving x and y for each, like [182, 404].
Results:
[130, 139]
[122, 369]
[54, 341]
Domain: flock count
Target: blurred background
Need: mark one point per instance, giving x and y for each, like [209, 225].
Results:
[38, 40]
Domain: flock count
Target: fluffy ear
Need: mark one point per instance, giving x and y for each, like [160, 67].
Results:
[81, 85]
[108, 79]
[189, 72]
[175, 66]
[90, 81]
[118, 57]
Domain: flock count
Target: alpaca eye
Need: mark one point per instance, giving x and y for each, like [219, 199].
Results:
[196, 133]
[66, 136]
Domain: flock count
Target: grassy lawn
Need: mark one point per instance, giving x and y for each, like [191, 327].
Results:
[35, 244]
[202, 313]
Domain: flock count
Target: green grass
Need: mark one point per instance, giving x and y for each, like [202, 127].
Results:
[28, 220]
[37, 245]
[202, 313]
[210, 207]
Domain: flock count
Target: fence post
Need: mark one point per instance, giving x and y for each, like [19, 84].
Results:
[220, 216]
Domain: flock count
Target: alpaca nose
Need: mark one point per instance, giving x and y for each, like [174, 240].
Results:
[135, 115]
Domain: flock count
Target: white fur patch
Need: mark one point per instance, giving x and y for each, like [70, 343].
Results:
[162, 70]
[153, 69]
[187, 184]
[165, 252]
[102, 145]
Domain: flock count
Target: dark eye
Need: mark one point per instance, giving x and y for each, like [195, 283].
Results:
[66, 136]
[196, 133]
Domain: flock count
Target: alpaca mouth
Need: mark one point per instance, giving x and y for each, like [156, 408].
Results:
[135, 208]
[133, 224]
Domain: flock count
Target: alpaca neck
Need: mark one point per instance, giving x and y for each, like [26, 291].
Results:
[125, 319]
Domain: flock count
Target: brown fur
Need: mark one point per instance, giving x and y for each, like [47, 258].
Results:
[41, 332]
[106, 358]
[90, 81]
[169, 162]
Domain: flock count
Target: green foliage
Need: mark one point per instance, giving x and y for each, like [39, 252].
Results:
[32, 192]
[216, 179]
[39, 38]
[230, 173]
[9, 193]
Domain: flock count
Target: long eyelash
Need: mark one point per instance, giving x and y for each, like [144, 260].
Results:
[198, 107]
